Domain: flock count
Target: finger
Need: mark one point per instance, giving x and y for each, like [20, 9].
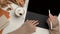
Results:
[26, 21]
[34, 22]
[55, 17]
[30, 21]
[52, 19]
[48, 20]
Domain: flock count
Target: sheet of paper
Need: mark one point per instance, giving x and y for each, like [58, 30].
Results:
[3, 22]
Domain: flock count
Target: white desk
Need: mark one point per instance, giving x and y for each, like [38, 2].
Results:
[16, 23]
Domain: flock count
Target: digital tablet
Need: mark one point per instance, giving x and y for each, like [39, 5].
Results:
[38, 10]
[42, 19]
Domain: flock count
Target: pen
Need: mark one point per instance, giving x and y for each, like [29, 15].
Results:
[50, 21]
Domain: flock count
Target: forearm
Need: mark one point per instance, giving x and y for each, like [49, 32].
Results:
[21, 30]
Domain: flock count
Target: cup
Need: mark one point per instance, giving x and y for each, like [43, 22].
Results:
[19, 12]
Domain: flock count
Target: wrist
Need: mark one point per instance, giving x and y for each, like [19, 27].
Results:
[24, 30]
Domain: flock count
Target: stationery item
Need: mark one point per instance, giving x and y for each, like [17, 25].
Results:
[50, 22]
[4, 18]
[3, 22]
[42, 19]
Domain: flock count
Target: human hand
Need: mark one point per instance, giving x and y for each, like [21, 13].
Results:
[53, 24]
[53, 19]
[27, 28]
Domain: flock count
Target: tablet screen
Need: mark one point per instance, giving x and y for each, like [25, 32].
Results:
[42, 7]
[38, 6]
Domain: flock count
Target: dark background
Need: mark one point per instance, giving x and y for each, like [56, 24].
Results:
[38, 8]
[42, 6]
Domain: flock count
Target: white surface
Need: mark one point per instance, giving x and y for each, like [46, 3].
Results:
[3, 22]
[15, 22]
[41, 31]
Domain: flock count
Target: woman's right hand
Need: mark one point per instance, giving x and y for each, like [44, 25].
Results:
[53, 24]
[53, 20]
